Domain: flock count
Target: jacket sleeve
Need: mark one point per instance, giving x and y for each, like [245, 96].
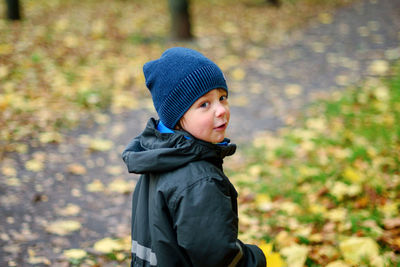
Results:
[207, 228]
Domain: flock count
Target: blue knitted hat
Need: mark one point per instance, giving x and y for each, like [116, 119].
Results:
[177, 79]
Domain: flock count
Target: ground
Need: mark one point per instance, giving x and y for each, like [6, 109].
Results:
[77, 192]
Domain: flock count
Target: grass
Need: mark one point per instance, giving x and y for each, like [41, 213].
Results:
[331, 178]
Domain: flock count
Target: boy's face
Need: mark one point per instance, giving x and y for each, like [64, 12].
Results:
[208, 118]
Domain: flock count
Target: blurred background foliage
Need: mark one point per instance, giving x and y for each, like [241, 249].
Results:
[67, 59]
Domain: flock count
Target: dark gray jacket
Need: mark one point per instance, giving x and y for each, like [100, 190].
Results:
[184, 209]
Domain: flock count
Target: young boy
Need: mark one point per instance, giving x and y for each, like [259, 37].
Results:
[184, 209]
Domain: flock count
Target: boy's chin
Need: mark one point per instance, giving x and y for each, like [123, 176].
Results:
[218, 140]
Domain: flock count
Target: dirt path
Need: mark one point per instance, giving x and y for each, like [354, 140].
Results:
[76, 181]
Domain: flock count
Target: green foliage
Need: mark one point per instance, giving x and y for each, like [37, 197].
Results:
[334, 173]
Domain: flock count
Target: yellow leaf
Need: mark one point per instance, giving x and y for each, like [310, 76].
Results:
[71, 41]
[355, 249]
[123, 101]
[70, 210]
[75, 254]
[76, 169]
[63, 227]
[38, 260]
[318, 47]
[265, 247]
[390, 209]
[6, 49]
[263, 202]
[340, 189]
[50, 137]
[317, 208]
[378, 67]
[100, 144]
[352, 175]
[120, 186]
[382, 93]
[318, 124]
[238, 74]
[325, 18]
[342, 80]
[274, 260]
[114, 170]
[34, 165]
[3, 72]
[290, 208]
[13, 181]
[283, 239]
[293, 90]
[98, 28]
[336, 215]
[255, 170]
[108, 245]
[363, 31]
[239, 101]
[338, 264]
[95, 186]
[8, 171]
[296, 255]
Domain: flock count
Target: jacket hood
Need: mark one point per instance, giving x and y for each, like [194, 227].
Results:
[153, 151]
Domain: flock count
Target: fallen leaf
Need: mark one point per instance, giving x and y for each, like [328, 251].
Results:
[50, 137]
[340, 190]
[283, 239]
[363, 31]
[265, 247]
[263, 202]
[114, 170]
[293, 90]
[239, 101]
[296, 255]
[8, 171]
[76, 169]
[338, 264]
[325, 18]
[63, 227]
[336, 215]
[75, 254]
[274, 259]
[70, 210]
[39, 260]
[95, 186]
[108, 245]
[351, 175]
[120, 186]
[238, 74]
[34, 165]
[354, 249]
[378, 67]
[98, 144]
[13, 181]
[391, 223]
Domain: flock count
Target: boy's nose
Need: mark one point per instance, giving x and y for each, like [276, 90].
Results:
[220, 110]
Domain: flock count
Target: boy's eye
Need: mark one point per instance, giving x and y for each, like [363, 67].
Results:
[224, 97]
[205, 104]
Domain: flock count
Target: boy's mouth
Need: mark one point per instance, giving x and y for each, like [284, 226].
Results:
[221, 127]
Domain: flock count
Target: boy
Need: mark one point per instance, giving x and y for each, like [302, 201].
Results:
[184, 209]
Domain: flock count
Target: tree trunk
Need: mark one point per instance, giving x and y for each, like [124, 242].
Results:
[180, 19]
[276, 3]
[13, 10]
